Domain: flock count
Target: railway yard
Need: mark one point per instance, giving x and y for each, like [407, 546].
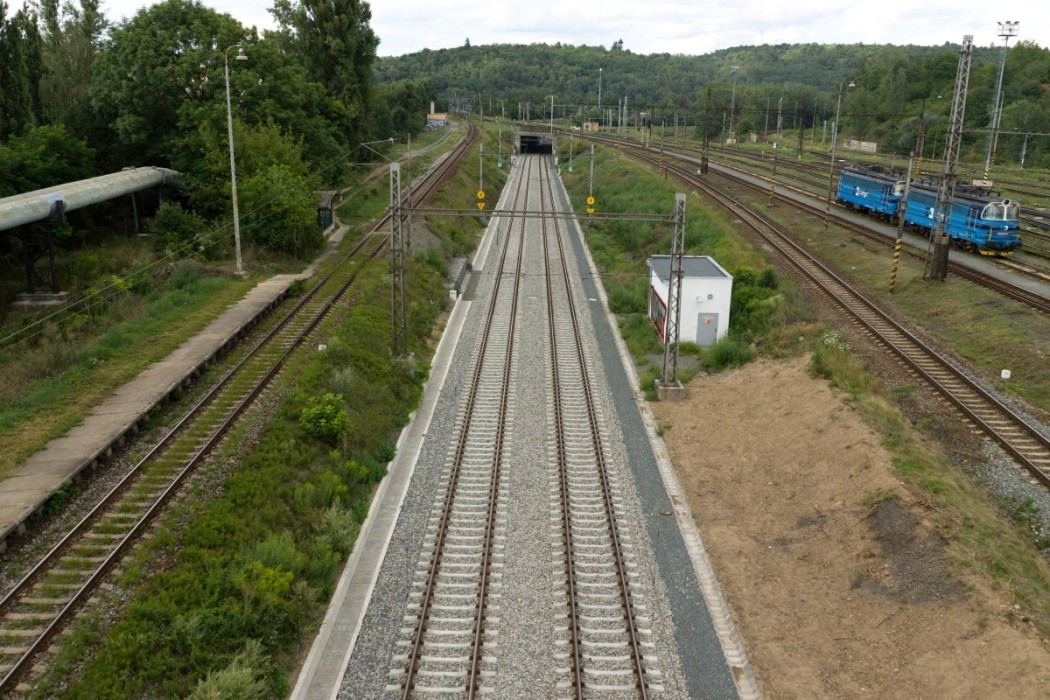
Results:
[538, 533]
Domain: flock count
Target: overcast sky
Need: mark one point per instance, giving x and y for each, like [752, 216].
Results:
[659, 26]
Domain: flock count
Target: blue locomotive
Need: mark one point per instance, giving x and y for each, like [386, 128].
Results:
[873, 192]
[977, 220]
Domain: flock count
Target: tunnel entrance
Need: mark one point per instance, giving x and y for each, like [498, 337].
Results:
[536, 144]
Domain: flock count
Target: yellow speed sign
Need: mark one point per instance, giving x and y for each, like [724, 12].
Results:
[481, 194]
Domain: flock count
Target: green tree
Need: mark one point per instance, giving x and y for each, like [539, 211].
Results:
[72, 37]
[403, 105]
[333, 40]
[20, 69]
[43, 157]
[156, 70]
[160, 85]
[279, 211]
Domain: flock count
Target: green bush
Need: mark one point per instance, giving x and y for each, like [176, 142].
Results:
[325, 418]
[386, 452]
[629, 298]
[768, 278]
[242, 679]
[727, 352]
[176, 228]
[186, 272]
[339, 528]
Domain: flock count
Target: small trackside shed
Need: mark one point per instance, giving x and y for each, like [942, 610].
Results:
[327, 201]
[707, 291]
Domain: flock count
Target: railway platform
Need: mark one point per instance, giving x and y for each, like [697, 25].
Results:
[26, 491]
[79, 451]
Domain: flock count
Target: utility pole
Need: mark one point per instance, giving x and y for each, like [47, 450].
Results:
[765, 129]
[670, 387]
[801, 127]
[590, 182]
[834, 142]
[773, 177]
[408, 199]
[600, 92]
[940, 240]
[780, 118]
[1007, 30]
[399, 329]
[732, 110]
[663, 165]
[899, 243]
[920, 139]
[707, 127]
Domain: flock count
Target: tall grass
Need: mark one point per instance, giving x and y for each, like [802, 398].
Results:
[55, 380]
[620, 249]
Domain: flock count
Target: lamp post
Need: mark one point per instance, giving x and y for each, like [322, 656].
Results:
[1006, 31]
[834, 142]
[233, 163]
[732, 110]
[600, 94]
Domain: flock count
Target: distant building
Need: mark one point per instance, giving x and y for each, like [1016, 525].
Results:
[590, 126]
[707, 290]
[862, 146]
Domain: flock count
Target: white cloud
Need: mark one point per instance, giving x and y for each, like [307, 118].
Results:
[659, 26]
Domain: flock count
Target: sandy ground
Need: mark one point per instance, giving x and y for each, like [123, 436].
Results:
[835, 579]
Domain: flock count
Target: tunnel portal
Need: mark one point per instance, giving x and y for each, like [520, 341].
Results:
[534, 143]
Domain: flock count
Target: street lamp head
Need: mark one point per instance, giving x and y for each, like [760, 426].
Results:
[240, 54]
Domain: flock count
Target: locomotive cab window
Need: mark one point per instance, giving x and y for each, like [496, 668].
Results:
[1001, 211]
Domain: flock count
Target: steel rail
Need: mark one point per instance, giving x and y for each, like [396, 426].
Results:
[114, 495]
[602, 469]
[570, 553]
[430, 583]
[981, 408]
[113, 498]
[1008, 290]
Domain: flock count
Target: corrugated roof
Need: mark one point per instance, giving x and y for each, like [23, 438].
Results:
[692, 266]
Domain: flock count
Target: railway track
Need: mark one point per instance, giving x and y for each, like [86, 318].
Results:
[608, 647]
[454, 618]
[53, 591]
[815, 176]
[737, 175]
[457, 583]
[810, 179]
[1023, 441]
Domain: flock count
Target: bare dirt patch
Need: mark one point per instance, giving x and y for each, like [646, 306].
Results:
[832, 567]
